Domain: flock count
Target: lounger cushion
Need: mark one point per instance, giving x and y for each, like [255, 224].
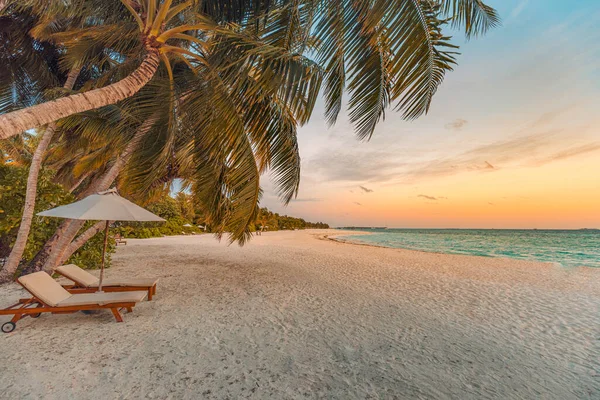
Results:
[42, 286]
[85, 279]
[135, 282]
[103, 298]
[77, 275]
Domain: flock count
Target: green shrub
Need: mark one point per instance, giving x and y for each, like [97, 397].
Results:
[13, 182]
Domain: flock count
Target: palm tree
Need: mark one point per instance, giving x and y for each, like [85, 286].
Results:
[27, 37]
[247, 86]
[18, 248]
[380, 51]
[64, 242]
[155, 24]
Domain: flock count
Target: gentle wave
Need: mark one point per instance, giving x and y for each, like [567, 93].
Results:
[569, 248]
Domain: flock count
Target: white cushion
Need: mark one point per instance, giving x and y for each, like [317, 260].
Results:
[102, 299]
[42, 286]
[77, 275]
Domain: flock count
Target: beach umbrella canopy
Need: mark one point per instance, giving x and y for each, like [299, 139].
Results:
[103, 206]
[187, 225]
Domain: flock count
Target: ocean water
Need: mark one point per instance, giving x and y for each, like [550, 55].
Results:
[569, 248]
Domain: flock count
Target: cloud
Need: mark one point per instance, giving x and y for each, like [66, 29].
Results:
[524, 151]
[542, 140]
[568, 153]
[357, 203]
[366, 190]
[519, 9]
[424, 196]
[457, 124]
[358, 164]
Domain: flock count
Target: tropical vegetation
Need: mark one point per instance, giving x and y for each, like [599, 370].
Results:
[182, 217]
[13, 182]
[138, 93]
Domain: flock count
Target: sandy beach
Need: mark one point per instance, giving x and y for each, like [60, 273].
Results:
[295, 315]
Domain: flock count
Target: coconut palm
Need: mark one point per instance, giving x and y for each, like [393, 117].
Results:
[380, 51]
[30, 194]
[26, 82]
[250, 86]
[82, 55]
[148, 28]
[182, 145]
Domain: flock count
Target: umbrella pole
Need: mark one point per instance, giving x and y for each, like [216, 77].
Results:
[103, 256]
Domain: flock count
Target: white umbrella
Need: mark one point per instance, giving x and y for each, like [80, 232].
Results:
[187, 225]
[104, 206]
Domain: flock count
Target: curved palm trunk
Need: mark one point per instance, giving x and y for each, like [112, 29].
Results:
[11, 265]
[79, 182]
[80, 241]
[19, 121]
[62, 245]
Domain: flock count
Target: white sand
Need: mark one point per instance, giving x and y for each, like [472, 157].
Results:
[291, 316]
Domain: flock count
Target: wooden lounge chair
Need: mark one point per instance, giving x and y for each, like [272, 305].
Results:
[49, 296]
[88, 283]
[119, 239]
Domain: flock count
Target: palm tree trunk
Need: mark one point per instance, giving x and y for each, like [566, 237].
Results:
[11, 265]
[80, 241]
[79, 181]
[60, 246]
[19, 121]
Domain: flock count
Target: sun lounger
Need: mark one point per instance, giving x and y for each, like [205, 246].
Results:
[119, 239]
[49, 296]
[88, 283]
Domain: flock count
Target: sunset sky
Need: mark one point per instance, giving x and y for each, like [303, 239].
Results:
[512, 139]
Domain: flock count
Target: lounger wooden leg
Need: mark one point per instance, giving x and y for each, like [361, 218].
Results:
[150, 294]
[117, 314]
[16, 318]
[129, 309]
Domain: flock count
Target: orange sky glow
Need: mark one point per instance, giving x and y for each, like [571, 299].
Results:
[512, 139]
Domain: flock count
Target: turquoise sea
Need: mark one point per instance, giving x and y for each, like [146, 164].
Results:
[569, 248]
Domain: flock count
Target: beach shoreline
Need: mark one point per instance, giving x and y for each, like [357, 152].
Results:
[298, 314]
[345, 237]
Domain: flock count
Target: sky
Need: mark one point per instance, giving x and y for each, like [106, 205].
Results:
[512, 139]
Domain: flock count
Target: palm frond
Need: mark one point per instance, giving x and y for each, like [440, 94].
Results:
[474, 16]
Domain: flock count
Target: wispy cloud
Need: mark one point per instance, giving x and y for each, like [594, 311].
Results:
[543, 140]
[424, 196]
[457, 124]
[568, 153]
[366, 190]
[518, 9]
[356, 165]
[526, 151]
[357, 203]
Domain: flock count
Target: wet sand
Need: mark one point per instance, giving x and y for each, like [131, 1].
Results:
[293, 316]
